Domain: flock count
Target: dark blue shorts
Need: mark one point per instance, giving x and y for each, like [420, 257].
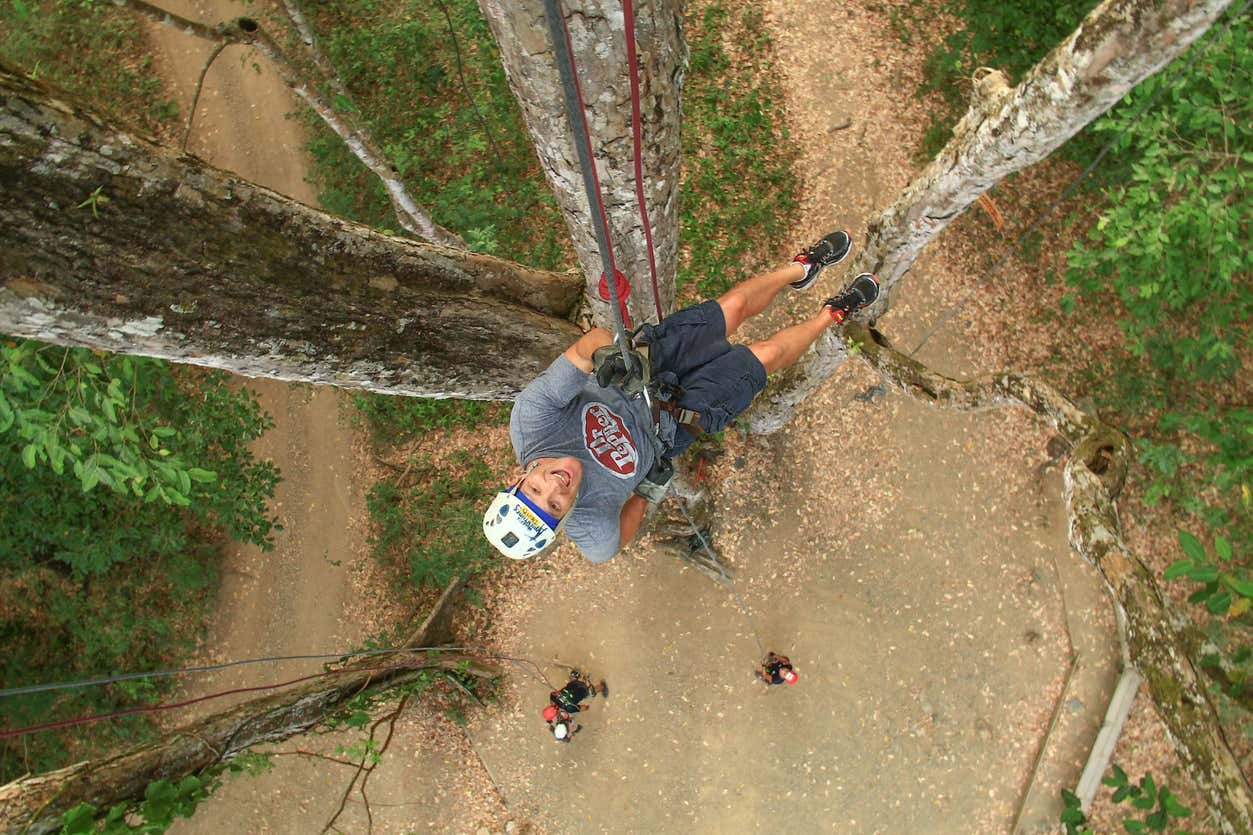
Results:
[718, 379]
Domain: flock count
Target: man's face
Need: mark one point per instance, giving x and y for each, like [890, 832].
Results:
[553, 484]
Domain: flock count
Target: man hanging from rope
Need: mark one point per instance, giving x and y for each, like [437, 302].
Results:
[581, 429]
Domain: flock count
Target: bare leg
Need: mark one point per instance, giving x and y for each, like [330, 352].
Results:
[786, 346]
[748, 298]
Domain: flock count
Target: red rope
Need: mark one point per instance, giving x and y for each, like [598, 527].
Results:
[628, 15]
[600, 203]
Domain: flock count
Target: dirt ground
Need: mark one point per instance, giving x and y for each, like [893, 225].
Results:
[291, 600]
[913, 564]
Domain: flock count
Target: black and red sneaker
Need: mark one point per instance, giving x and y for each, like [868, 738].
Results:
[832, 249]
[858, 295]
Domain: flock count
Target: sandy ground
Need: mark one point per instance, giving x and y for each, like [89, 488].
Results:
[912, 563]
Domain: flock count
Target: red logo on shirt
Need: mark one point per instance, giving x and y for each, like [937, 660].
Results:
[608, 440]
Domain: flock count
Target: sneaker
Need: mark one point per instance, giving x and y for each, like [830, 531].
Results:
[604, 689]
[860, 294]
[832, 249]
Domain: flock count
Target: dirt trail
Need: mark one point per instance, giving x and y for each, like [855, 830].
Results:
[291, 600]
[301, 597]
[912, 563]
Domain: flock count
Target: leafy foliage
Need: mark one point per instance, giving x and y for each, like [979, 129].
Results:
[434, 528]
[1225, 587]
[396, 419]
[1155, 804]
[1169, 253]
[738, 195]
[123, 423]
[101, 572]
[163, 802]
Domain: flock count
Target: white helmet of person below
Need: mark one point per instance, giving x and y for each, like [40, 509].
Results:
[517, 526]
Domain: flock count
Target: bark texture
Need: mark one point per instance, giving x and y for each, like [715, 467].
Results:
[245, 30]
[191, 264]
[1093, 477]
[35, 804]
[596, 32]
[1119, 44]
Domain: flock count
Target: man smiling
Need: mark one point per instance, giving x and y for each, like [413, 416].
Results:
[583, 442]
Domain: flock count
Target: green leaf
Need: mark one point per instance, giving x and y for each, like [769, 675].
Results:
[202, 476]
[1175, 570]
[1173, 806]
[1203, 573]
[28, 456]
[1192, 546]
[6, 414]
[1135, 827]
[1242, 587]
[359, 719]
[1221, 546]
[79, 820]
[1219, 603]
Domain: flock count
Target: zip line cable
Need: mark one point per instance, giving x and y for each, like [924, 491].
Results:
[481, 652]
[211, 668]
[1152, 101]
[10, 733]
[158, 708]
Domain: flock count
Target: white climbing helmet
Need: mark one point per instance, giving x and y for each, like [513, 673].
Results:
[519, 528]
[560, 730]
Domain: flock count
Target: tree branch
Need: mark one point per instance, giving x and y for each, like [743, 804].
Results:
[192, 264]
[1094, 475]
[195, 99]
[1119, 44]
[246, 30]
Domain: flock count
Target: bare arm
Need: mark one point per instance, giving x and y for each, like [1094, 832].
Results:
[580, 353]
[632, 515]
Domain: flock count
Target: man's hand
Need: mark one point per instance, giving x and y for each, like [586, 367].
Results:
[612, 370]
[580, 353]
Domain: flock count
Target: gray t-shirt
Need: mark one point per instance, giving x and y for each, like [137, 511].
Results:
[564, 412]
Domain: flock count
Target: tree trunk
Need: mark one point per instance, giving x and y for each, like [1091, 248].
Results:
[109, 241]
[1094, 476]
[596, 31]
[1118, 45]
[35, 804]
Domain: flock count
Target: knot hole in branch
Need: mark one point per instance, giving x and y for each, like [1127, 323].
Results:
[1100, 459]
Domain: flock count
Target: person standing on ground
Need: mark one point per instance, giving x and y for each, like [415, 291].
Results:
[569, 698]
[582, 439]
[777, 669]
